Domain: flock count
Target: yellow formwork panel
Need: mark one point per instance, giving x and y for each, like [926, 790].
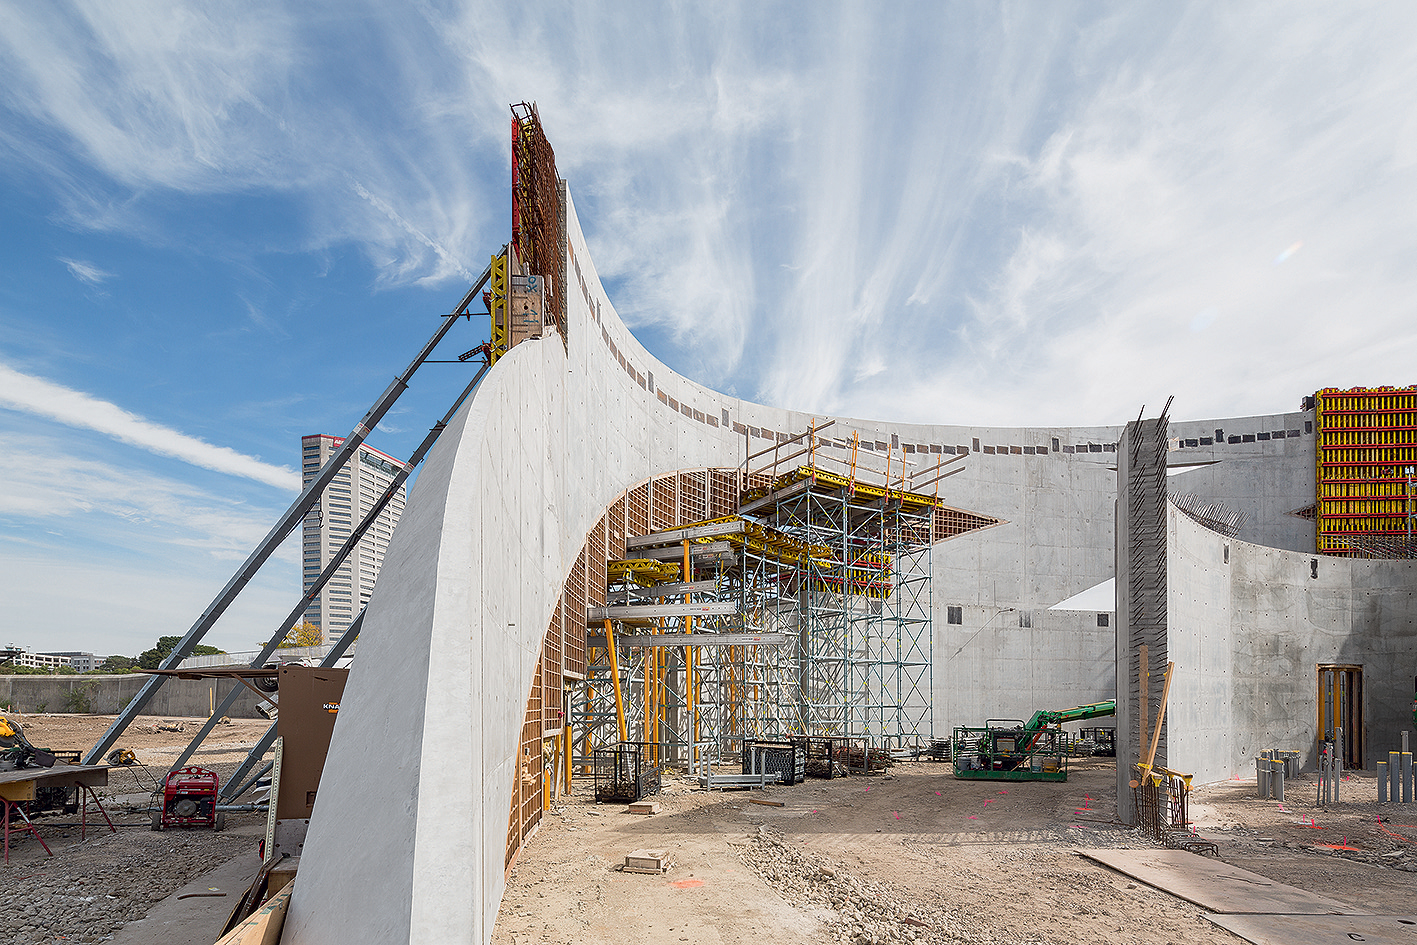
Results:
[1367, 438]
[497, 306]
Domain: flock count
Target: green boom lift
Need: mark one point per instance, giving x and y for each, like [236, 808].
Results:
[1014, 750]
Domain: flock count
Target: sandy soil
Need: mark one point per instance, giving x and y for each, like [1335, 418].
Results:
[913, 856]
[917, 856]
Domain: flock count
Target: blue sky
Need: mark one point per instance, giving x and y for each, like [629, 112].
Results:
[226, 225]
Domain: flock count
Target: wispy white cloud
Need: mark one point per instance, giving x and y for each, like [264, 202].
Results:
[86, 271]
[37, 396]
[72, 601]
[953, 215]
[47, 482]
[153, 93]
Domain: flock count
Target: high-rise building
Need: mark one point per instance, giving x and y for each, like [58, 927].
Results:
[350, 495]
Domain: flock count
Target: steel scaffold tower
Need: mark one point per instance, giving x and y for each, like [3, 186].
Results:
[807, 614]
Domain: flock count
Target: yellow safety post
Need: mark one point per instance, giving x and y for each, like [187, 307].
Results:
[658, 656]
[615, 680]
[692, 705]
[855, 445]
[649, 696]
[547, 776]
[569, 747]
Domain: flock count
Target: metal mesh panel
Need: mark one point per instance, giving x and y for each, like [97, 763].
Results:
[551, 649]
[574, 611]
[595, 566]
[951, 522]
[526, 808]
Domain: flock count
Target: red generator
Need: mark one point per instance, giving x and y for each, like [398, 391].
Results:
[189, 799]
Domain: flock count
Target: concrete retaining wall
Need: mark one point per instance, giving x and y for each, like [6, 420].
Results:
[107, 695]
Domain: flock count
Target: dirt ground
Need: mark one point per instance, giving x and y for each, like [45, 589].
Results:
[911, 856]
[154, 737]
[917, 856]
[95, 884]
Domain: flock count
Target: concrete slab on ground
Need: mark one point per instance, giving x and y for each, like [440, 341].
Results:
[1320, 929]
[1215, 885]
[194, 914]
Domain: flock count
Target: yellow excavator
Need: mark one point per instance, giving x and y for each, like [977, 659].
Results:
[15, 750]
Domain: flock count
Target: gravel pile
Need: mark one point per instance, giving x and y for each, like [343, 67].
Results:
[88, 890]
[866, 913]
[878, 914]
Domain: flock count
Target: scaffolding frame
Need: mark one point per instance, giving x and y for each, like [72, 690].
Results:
[820, 588]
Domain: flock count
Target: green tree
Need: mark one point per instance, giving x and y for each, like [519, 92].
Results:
[117, 664]
[304, 633]
[152, 659]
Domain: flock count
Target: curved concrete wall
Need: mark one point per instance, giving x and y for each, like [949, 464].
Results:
[1249, 627]
[409, 830]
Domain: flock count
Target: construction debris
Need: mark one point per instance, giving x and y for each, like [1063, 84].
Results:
[653, 862]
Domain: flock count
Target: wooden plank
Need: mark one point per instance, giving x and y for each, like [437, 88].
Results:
[282, 874]
[677, 553]
[1214, 885]
[18, 790]
[693, 639]
[657, 611]
[1319, 929]
[678, 536]
[1160, 715]
[59, 776]
[264, 926]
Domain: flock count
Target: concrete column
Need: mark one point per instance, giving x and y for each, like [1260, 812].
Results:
[1407, 777]
[1394, 772]
[1382, 782]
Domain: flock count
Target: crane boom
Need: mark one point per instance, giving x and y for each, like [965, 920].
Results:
[1046, 717]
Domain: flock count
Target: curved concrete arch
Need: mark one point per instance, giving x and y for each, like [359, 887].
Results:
[408, 835]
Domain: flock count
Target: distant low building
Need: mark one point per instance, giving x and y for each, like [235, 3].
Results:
[19, 656]
[83, 662]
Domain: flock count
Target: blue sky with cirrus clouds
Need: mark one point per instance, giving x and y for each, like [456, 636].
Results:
[230, 224]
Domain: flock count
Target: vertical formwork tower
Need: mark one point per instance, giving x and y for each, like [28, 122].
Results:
[861, 643]
[861, 650]
[1367, 460]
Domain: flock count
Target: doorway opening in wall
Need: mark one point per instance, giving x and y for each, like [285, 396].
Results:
[1341, 707]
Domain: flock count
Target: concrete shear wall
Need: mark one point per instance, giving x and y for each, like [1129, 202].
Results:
[1249, 627]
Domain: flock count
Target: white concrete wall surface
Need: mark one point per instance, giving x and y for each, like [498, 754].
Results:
[1248, 635]
[990, 667]
[410, 825]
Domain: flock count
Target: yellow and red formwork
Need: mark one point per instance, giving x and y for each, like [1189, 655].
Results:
[1367, 444]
